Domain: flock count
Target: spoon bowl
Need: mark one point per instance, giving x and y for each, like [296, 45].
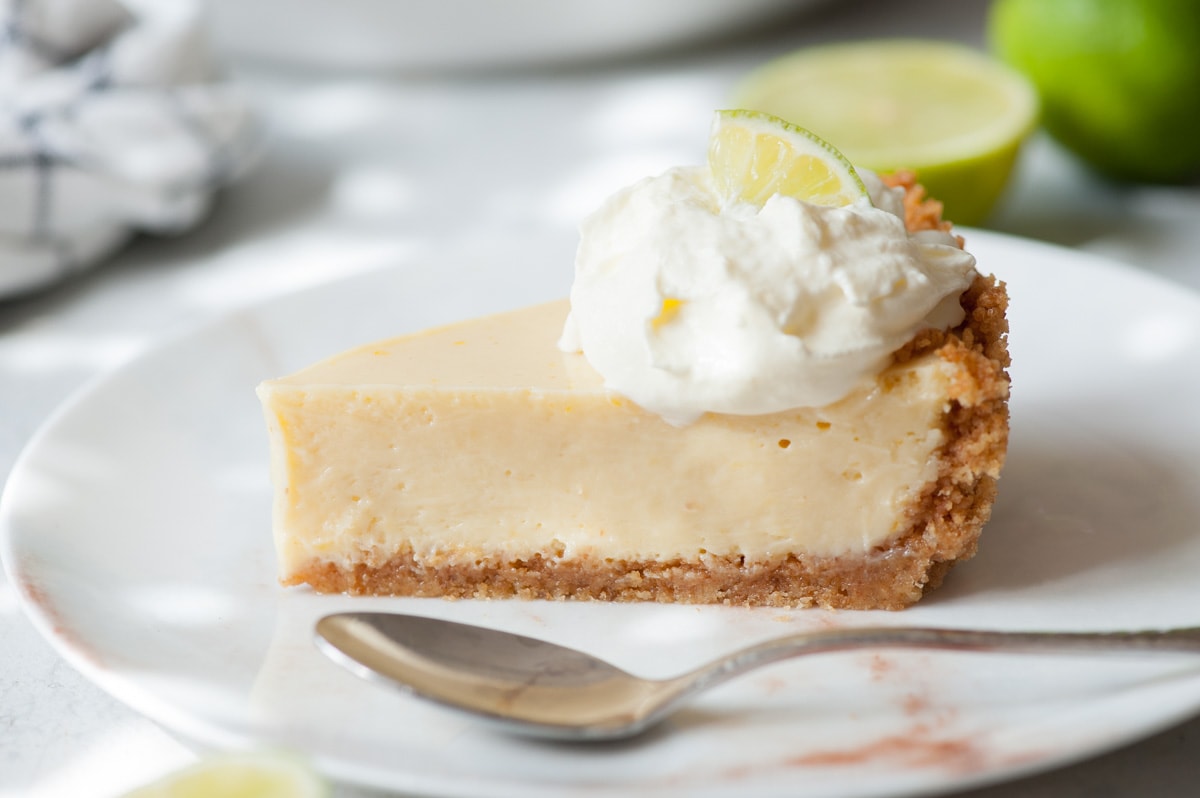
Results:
[539, 688]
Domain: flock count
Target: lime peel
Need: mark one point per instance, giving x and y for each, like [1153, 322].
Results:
[1118, 79]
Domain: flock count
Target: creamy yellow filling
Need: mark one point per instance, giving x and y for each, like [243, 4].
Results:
[482, 440]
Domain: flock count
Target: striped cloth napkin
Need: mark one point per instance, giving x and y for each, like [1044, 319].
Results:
[113, 120]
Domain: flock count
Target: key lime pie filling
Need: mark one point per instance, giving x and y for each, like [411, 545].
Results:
[788, 402]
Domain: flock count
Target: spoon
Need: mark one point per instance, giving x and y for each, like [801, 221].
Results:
[542, 689]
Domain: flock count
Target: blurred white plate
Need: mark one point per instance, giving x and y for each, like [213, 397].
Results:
[377, 34]
[136, 529]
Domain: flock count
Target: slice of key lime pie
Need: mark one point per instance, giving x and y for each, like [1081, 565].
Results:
[777, 381]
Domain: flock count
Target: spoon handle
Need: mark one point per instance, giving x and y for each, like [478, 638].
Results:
[1169, 640]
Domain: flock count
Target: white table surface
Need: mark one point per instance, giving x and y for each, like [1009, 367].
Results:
[362, 172]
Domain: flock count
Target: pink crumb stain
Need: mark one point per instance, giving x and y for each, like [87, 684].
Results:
[919, 747]
[37, 596]
[826, 622]
[915, 703]
[772, 685]
[915, 700]
[928, 742]
[880, 667]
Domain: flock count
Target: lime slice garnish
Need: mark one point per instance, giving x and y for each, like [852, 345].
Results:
[251, 775]
[953, 115]
[754, 156]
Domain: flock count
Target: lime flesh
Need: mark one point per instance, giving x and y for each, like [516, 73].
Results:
[753, 156]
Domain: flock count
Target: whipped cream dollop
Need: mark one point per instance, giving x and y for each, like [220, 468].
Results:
[687, 307]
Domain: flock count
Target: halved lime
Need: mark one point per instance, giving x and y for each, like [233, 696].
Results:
[753, 156]
[953, 115]
[243, 775]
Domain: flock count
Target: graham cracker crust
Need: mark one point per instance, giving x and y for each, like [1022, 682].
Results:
[941, 527]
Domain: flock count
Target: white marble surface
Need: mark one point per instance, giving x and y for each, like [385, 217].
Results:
[365, 172]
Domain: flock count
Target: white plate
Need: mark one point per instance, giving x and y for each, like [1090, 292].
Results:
[136, 529]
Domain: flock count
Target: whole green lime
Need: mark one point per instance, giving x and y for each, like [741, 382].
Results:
[1119, 80]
